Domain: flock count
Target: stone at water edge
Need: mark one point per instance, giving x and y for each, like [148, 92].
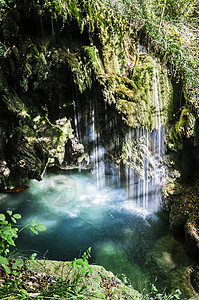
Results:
[94, 282]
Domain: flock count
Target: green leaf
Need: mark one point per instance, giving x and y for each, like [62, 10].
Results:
[14, 232]
[3, 260]
[33, 230]
[7, 269]
[9, 233]
[15, 273]
[17, 264]
[17, 216]
[9, 212]
[7, 251]
[41, 227]
[10, 241]
[33, 223]
[2, 217]
[33, 256]
[83, 270]
[13, 220]
[74, 265]
[4, 223]
[80, 261]
[153, 288]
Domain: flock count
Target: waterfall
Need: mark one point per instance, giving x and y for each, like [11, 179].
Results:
[158, 118]
[97, 151]
[144, 172]
[53, 31]
[146, 177]
[76, 121]
[138, 170]
[140, 176]
[42, 27]
[142, 49]
[77, 131]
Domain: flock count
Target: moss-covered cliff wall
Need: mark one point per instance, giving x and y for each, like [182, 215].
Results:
[58, 57]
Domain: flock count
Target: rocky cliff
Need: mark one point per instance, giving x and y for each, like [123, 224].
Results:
[60, 61]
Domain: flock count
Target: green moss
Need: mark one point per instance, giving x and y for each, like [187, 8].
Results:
[54, 9]
[174, 140]
[183, 128]
[89, 10]
[112, 30]
[84, 67]
[91, 57]
[128, 100]
[182, 123]
[81, 75]
[134, 96]
[165, 92]
[129, 83]
[34, 63]
[75, 12]
[142, 71]
[92, 284]
[13, 103]
[9, 24]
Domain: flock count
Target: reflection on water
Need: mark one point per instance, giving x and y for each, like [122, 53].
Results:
[124, 237]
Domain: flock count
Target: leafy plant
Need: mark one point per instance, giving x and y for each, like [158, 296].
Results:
[9, 233]
[82, 263]
[72, 285]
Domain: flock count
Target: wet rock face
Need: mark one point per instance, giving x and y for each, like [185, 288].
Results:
[195, 278]
[183, 206]
[187, 232]
[46, 63]
[177, 223]
[4, 173]
[63, 63]
[36, 89]
[30, 140]
[192, 240]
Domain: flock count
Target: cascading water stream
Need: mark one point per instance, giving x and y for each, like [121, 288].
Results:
[158, 118]
[146, 177]
[53, 30]
[159, 175]
[142, 175]
[76, 126]
[76, 122]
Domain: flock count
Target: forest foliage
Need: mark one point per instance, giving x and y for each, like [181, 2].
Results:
[173, 28]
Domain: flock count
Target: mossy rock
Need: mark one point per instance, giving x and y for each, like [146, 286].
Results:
[96, 282]
[133, 94]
